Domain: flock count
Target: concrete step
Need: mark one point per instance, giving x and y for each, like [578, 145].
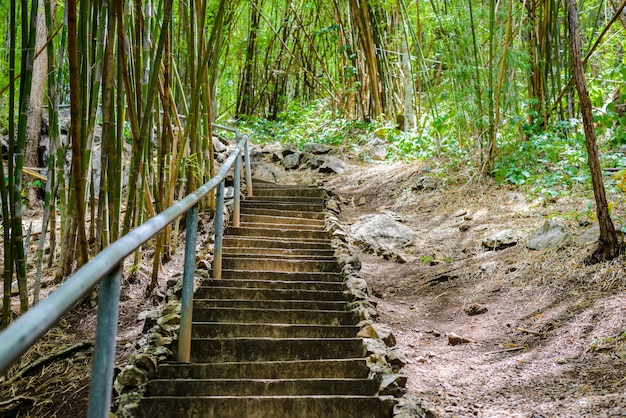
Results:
[301, 369]
[266, 407]
[284, 243]
[276, 316]
[277, 264]
[219, 291]
[282, 212]
[282, 226]
[285, 206]
[281, 191]
[283, 255]
[315, 201]
[282, 252]
[328, 287]
[240, 330]
[260, 387]
[274, 349]
[319, 305]
[284, 220]
[273, 233]
[281, 276]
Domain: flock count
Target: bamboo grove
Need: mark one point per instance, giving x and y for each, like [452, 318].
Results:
[144, 80]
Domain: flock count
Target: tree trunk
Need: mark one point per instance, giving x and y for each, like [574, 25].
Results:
[75, 129]
[35, 107]
[608, 244]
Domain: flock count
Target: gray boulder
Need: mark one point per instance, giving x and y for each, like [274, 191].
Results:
[590, 235]
[314, 148]
[376, 149]
[425, 183]
[333, 165]
[552, 234]
[291, 161]
[384, 236]
[267, 172]
[501, 240]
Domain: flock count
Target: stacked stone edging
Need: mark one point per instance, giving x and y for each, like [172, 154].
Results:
[384, 360]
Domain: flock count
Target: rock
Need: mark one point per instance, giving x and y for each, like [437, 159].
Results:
[291, 161]
[312, 161]
[355, 262]
[397, 358]
[333, 165]
[396, 217]
[132, 377]
[147, 362]
[169, 319]
[380, 331]
[488, 268]
[425, 183]
[267, 172]
[362, 201]
[256, 156]
[410, 406]
[591, 235]
[15, 289]
[218, 146]
[501, 240]
[454, 339]
[375, 346]
[475, 309]
[366, 311]
[289, 150]
[316, 149]
[356, 283]
[333, 206]
[376, 149]
[381, 235]
[552, 234]
[393, 384]
[378, 367]
[377, 152]
[277, 157]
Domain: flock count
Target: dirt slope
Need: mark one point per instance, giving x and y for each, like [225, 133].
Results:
[551, 338]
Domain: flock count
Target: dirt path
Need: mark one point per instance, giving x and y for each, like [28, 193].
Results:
[547, 333]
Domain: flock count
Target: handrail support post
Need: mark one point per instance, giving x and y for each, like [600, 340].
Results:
[237, 187]
[219, 232]
[249, 192]
[189, 270]
[104, 347]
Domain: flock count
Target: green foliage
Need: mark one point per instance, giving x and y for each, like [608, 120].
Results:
[300, 125]
[551, 160]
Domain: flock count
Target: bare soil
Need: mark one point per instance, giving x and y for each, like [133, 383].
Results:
[547, 332]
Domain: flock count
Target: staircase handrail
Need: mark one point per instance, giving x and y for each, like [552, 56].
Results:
[106, 269]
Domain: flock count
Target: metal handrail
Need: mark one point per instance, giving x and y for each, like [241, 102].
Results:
[106, 269]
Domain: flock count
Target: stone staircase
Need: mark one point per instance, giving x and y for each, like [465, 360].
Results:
[273, 337]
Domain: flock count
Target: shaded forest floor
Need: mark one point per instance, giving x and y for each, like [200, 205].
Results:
[551, 342]
[551, 338]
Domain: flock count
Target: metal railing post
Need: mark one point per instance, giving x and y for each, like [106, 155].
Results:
[189, 270]
[104, 347]
[237, 186]
[219, 232]
[248, 175]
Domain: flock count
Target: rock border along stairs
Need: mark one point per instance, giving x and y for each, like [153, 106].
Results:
[273, 337]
